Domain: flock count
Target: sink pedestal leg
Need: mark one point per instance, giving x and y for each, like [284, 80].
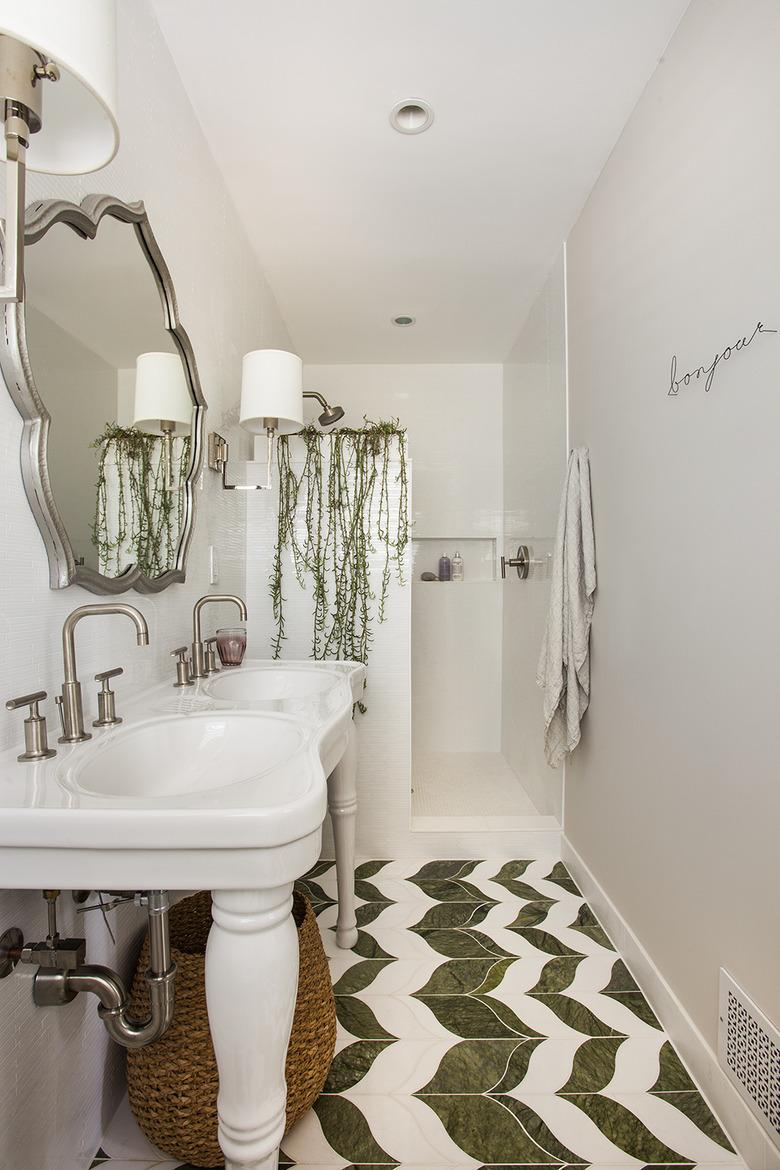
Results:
[342, 805]
[251, 981]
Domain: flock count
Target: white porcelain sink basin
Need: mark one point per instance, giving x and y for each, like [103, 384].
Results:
[221, 786]
[258, 684]
[180, 756]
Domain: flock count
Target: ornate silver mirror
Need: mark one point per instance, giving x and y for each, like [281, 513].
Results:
[105, 379]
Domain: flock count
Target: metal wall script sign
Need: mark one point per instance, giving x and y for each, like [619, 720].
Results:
[708, 372]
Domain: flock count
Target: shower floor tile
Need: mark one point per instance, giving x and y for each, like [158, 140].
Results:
[473, 791]
[485, 1021]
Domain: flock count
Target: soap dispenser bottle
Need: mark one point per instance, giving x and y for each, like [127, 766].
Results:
[457, 567]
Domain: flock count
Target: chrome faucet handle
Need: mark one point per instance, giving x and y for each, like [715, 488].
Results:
[36, 745]
[107, 716]
[182, 667]
[211, 655]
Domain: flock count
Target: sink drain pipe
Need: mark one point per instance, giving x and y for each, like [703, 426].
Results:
[56, 986]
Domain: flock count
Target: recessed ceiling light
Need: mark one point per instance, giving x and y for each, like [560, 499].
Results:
[404, 321]
[411, 116]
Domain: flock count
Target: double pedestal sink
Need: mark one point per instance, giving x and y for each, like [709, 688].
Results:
[223, 786]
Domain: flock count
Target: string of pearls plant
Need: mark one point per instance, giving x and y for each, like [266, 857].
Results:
[337, 514]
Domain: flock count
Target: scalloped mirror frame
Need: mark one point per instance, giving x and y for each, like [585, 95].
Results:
[84, 219]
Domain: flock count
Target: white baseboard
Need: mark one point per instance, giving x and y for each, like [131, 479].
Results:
[746, 1135]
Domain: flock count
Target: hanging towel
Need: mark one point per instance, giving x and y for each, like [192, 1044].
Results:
[564, 663]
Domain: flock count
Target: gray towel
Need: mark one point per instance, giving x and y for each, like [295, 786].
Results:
[564, 663]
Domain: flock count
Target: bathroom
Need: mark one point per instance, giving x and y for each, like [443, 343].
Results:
[533, 965]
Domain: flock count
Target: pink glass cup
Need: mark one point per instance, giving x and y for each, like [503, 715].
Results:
[231, 644]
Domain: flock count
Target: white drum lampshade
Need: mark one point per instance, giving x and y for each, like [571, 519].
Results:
[272, 388]
[79, 132]
[161, 395]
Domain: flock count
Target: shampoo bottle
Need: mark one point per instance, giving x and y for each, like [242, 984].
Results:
[457, 567]
[445, 568]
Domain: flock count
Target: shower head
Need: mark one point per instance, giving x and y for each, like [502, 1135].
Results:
[330, 414]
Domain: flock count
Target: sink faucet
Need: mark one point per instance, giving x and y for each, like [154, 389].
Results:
[71, 709]
[198, 653]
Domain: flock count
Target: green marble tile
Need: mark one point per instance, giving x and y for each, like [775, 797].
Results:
[594, 1065]
[575, 1015]
[319, 869]
[368, 869]
[532, 914]
[671, 1073]
[369, 911]
[696, 1109]
[625, 1130]
[359, 977]
[476, 1017]
[368, 892]
[368, 948]
[538, 1131]
[561, 876]
[346, 1130]
[315, 894]
[450, 890]
[356, 1017]
[462, 976]
[621, 978]
[517, 1066]
[463, 944]
[443, 869]
[479, 1066]
[523, 890]
[352, 1063]
[486, 1129]
[510, 871]
[557, 974]
[587, 923]
[544, 941]
[453, 915]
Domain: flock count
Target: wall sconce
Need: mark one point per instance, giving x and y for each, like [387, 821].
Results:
[272, 397]
[271, 401]
[68, 46]
[162, 404]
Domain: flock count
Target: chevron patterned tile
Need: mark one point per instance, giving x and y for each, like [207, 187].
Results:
[485, 1021]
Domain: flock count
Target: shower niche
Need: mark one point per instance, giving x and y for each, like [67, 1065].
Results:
[478, 553]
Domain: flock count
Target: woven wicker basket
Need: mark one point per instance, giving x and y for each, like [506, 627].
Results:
[173, 1083]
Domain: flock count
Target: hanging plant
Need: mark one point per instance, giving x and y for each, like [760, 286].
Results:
[333, 515]
[138, 519]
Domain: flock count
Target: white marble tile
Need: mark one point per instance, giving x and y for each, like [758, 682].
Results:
[123, 1139]
[412, 1131]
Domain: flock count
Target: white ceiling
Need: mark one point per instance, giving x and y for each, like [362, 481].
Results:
[354, 223]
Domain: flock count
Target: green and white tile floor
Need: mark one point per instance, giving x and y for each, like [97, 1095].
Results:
[485, 1020]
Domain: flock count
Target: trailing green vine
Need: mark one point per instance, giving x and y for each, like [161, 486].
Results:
[332, 516]
[137, 518]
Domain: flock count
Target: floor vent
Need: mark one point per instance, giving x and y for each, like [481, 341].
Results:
[749, 1050]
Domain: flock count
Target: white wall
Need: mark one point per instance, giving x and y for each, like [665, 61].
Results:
[534, 459]
[673, 798]
[59, 1075]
